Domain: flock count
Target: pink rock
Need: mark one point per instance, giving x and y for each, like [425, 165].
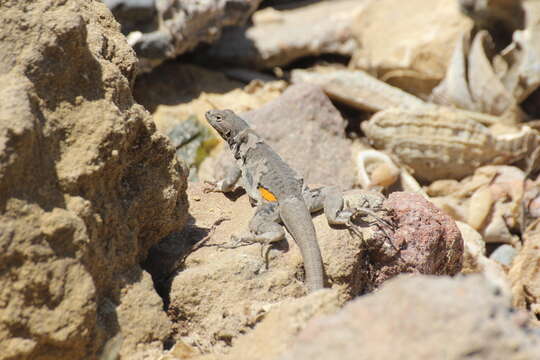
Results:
[424, 239]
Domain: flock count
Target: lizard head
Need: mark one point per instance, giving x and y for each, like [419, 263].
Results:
[226, 123]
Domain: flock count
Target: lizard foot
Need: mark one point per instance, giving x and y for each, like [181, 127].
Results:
[361, 211]
[210, 186]
[266, 245]
[354, 229]
[378, 221]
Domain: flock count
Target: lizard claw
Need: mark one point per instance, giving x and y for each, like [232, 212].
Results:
[354, 229]
[238, 241]
[210, 186]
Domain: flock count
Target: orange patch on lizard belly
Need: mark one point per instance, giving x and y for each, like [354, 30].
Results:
[267, 195]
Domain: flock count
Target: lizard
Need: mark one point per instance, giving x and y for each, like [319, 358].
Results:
[278, 192]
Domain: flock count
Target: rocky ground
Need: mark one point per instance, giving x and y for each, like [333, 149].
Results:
[424, 111]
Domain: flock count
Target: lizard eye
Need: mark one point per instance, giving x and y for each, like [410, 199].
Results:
[219, 117]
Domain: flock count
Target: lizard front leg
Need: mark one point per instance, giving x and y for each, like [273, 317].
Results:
[232, 174]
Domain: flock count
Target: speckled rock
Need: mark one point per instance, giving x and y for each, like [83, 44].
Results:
[425, 240]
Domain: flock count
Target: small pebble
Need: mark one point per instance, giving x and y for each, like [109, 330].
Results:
[504, 254]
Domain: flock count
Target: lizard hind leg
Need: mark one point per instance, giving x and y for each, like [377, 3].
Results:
[340, 210]
[335, 209]
[264, 229]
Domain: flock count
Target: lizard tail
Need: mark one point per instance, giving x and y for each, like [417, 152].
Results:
[297, 219]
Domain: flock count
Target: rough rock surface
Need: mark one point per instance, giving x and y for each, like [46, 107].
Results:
[408, 47]
[525, 274]
[421, 318]
[307, 131]
[238, 288]
[276, 38]
[277, 329]
[86, 186]
[142, 325]
[442, 143]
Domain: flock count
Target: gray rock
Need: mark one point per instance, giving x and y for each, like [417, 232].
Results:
[421, 318]
[161, 29]
[153, 45]
[277, 38]
[308, 132]
[129, 4]
[190, 138]
[193, 22]
[133, 14]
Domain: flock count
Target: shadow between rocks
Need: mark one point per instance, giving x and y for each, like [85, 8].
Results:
[167, 257]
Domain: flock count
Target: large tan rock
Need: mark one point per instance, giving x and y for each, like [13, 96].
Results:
[408, 43]
[86, 186]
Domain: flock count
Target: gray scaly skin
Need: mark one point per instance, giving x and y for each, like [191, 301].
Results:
[278, 192]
